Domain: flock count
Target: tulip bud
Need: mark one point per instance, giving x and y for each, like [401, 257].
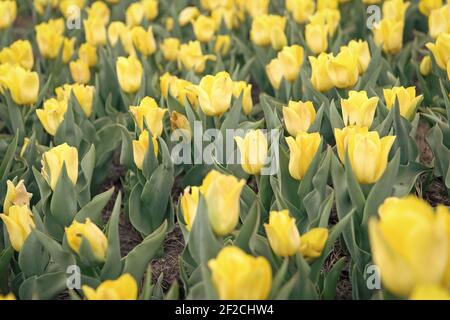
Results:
[301, 9]
[180, 125]
[88, 53]
[123, 288]
[189, 203]
[254, 151]
[169, 24]
[343, 70]
[441, 50]
[99, 9]
[95, 31]
[115, 29]
[23, 85]
[9, 296]
[256, 8]
[53, 160]
[170, 48]
[49, 37]
[222, 194]
[320, 79]
[287, 65]
[79, 70]
[425, 66]
[8, 13]
[245, 89]
[359, 49]
[239, 276]
[329, 18]
[222, 45]
[282, 233]
[298, 116]
[65, 7]
[150, 9]
[192, 58]
[83, 94]
[278, 38]
[19, 223]
[129, 73]
[426, 6]
[20, 52]
[302, 149]
[16, 195]
[140, 148]
[188, 15]
[430, 292]
[395, 9]
[204, 28]
[134, 14]
[313, 242]
[230, 17]
[262, 26]
[358, 109]
[68, 49]
[407, 100]
[342, 136]
[143, 40]
[389, 34]
[52, 115]
[316, 37]
[149, 112]
[439, 21]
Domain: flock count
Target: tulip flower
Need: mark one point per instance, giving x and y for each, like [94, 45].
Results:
[169, 24]
[191, 57]
[282, 233]
[83, 94]
[52, 115]
[439, 21]
[180, 125]
[16, 195]
[143, 40]
[170, 48]
[320, 78]
[99, 9]
[8, 13]
[389, 34]
[302, 149]
[262, 27]
[189, 203]
[425, 66]
[123, 288]
[287, 65]
[49, 37]
[426, 6]
[129, 72]
[214, 93]
[149, 112]
[329, 18]
[204, 28]
[88, 53]
[178, 88]
[343, 69]
[313, 242]
[358, 109]
[254, 151]
[441, 50]
[150, 9]
[239, 276]
[395, 9]
[23, 85]
[448, 70]
[9, 296]
[409, 244]
[134, 14]
[65, 6]
[298, 116]
[79, 70]
[407, 100]
[222, 194]
[231, 18]
[20, 52]
[53, 160]
[19, 223]
[88, 231]
[360, 49]
[140, 148]
[95, 31]
[188, 15]
[316, 37]
[430, 292]
[68, 49]
[245, 89]
[115, 29]
[342, 137]
[222, 45]
[301, 10]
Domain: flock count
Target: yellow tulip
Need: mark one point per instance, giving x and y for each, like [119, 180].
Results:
[302, 149]
[256, 8]
[129, 73]
[88, 231]
[368, 155]
[301, 9]
[88, 53]
[115, 29]
[169, 23]
[228, 16]
[407, 100]
[123, 288]
[262, 26]
[204, 28]
[430, 292]
[329, 18]
[52, 115]
[313, 242]
[53, 161]
[180, 126]
[441, 50]
[189, 203]
[360, 49]
[222, 45]
[19, 223]
[9, 296]
[65, 7]
[99, 9]
[245, 89]
[343, 69]
[439, 21]
[20, 52]
[84, 95]
[140, 148]
[134, 14]
[368, 2]
[143, 40]
[16, 195]
[192, 58]
[342, 137]
[443, 217]
[298, 116]
[448, 70]
[49, 37]
[41, 5]
[282, 233]
[316, 37]
[214, 93]
[149, 112]
[239, 276]
[79, 71]
[150, 9]
[395, 9]
[188, 15]
[327, 4]
[278, 39]
[23, 85]
[222, 194]
[170, 48]
[67, 49]
[254, 151]
[8, 13]
[287, 65]
[425, 66]
[177, 88]
[426, 6]
[95, 31]
[320, 79]
[389, 34]
[358, 109]
[409, 245]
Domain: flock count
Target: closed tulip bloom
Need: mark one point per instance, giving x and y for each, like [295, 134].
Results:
[204, 28]
[192, 58]
[222, 194]
[358, 109]
[245, 89]
[16, 195]
[129, 73]
[316, 36]
[426, 6]
[180, 125]
[262, 26]
[68, 49]
[342, 137]
[407, 100]
[52, 115]
[329, 18]
[189, 203]
[150, 9]
[343, 70]
[302, 149]
[282, 233]
[389, 34]
[66, 8]
[214, 93]
[95, 31]
[19, 223]
[368, 155]
[140, 148]
[20, 52]
[439, 21]
[187, 15]
[430, 292]
[9, 296]
[441, 50]
[123, 288]
[395, 9]
[134, 14]
[360, 49]
[80, 72]
[256, 8]
[178, 88]
[320, 78]
[313, 242]
[53, 161]
[115, 29]
[425, 66]
[409, 245]
[84, 95]
[23, 85]
[239, 276]
[278, 39]
[88, 231]
[301, 9]
[8, 13]
[287, 65]
[49, 38]
[298, 116]
[230, 17]
[222, 45]
[254, 151]
[170, 48]
[169, 24]
[143, 40]
[149, 112]
[101, 10]
[88, 53]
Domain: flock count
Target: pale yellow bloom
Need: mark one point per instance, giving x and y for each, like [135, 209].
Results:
[282, 233]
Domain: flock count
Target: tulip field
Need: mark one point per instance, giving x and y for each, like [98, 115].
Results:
[224, 149]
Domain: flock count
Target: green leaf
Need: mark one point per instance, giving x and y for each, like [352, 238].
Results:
[249, 229]
[93, 210]
[56, 251]
[63, 205]
[44, 287]
[331, 279]
[33, 258]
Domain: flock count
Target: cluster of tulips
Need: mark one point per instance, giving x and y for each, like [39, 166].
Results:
[84, 82]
